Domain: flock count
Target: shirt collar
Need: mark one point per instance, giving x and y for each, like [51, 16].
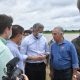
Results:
[3, 40]
[12, 42]
[63, 42]
[34, 37]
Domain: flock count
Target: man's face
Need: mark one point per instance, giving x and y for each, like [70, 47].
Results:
[40, 30]
[19, 38]
[36, 31]
[56, 35]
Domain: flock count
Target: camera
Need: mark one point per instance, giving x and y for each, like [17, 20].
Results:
[13, 71]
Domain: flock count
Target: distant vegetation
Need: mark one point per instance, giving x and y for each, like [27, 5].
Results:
[66, 31]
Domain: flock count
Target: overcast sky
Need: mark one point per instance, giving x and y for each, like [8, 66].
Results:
[50, 13]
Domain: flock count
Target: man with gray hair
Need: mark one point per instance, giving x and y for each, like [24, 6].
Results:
[64, 60]
[35, 45]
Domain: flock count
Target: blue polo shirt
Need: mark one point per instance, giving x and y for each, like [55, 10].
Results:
[63, 55]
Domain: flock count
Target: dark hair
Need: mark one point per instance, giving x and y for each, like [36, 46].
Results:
[5, 21]
[16, 29]
[28, 31]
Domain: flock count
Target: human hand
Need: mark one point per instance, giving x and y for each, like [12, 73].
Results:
[25, 77]
[74, 78]
[39, 57]
[77, 76]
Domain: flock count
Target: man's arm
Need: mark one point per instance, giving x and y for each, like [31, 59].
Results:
[36, 58]
[25, 77]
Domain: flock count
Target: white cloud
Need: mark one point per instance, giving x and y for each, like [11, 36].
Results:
[51, 13]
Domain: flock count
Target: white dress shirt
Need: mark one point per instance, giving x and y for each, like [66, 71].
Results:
[16, 53]
[34, 47]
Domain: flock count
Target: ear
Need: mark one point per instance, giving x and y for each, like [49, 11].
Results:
[6, 30]
[62, 33]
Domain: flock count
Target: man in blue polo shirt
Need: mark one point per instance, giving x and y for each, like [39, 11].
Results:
[64, 60]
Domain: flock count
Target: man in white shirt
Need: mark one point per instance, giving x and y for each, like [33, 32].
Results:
[14, 44]
[35, 45]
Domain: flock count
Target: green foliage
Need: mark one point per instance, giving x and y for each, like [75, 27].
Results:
[65, 31]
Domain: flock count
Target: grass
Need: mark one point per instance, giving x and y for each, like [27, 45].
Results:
[66, 32]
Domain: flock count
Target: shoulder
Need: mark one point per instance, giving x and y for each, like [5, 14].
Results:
[69, 43]
[5, 51]
[11, 46]
[53, 44]
[2, 48]
[27, 38]
[43, 38]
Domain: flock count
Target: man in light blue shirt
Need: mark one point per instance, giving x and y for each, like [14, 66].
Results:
[64, 60]
[5, 33]
[35, 45]
[14, 44]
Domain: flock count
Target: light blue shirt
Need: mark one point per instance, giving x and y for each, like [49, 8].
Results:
[64, 55]
[16, 53]
[5, 56]
[34, 47]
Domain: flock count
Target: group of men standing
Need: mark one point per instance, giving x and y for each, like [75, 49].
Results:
[33, 51]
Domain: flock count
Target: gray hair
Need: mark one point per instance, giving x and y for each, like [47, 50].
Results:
[60, 29]
[37, 25]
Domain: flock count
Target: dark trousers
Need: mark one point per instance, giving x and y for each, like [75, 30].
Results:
[35, 71]
[63, 74]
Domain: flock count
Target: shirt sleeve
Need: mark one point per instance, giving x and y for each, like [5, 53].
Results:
[74, 57]
[51, 57]
[24, 48]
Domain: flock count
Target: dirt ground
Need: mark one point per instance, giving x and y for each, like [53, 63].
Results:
[47, 73]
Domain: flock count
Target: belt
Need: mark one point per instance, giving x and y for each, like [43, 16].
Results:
[35, 64]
